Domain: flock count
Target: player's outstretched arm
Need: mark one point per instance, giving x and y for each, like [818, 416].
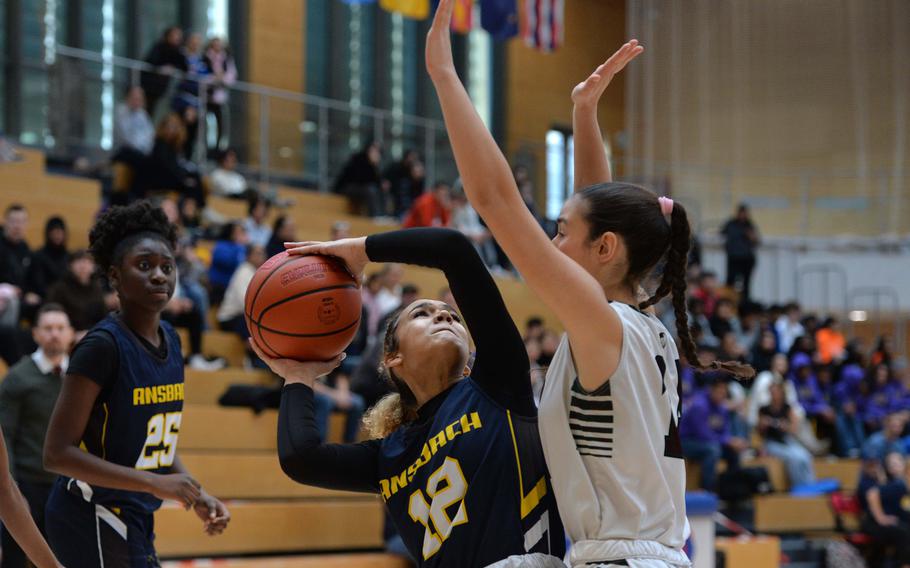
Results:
[591, 163]
[567, 289]
[14, 512]
[62, 453]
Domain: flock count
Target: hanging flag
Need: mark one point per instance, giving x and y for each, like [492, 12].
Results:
[499, 18]
[415, 9]
[542, 24]
[462, 15]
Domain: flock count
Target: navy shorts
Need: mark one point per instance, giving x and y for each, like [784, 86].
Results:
[87, 535]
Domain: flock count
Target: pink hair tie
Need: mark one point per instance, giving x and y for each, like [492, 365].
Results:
[666, 206]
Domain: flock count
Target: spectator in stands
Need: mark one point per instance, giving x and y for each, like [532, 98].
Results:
[698, 318]
[549, 342]
[741, 240]
[339, 230]
[883, 352]
[187, 95]
[405, 181]
[166, 168]
[370, 300]
[333, 394]
[15, 260]
[223, 72]
[778, 424]
[228, 253]
[888, 517]
[811, 397]
[432, 209]
[888, 439]
[724, 319]
[730, 349]
[389, 295]
[284, 230]
[466, 220]
[81, 294]
[788, 327]
[167, 57]
[27, 397]
[226, 180]
[257, 229]
[134, 132]
[705, 289]
[764, 351]
[846, 394]
[706, 432]
[230, 312]
[883, 396]
[182, 311]
[49, 263]
[361, 182]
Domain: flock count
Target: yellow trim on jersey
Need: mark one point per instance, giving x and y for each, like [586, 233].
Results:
[104, 431]
[529, 501]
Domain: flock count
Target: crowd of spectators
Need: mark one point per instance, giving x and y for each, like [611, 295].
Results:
[816, 392]
[159, 143]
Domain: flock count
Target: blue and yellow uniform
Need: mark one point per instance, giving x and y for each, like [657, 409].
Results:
[465, 483]
[135, 423]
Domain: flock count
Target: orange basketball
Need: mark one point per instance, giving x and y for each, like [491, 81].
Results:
[302, 307]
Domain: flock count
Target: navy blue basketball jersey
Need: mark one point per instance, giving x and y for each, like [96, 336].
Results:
[136, 419]
[469, 486]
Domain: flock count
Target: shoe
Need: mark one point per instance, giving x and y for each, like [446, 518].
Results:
[201, 363]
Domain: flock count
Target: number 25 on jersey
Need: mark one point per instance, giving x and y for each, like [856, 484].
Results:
[160, 447]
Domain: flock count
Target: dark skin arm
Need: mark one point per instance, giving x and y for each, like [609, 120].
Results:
[18, 520]
[214, 514]
[62, 453]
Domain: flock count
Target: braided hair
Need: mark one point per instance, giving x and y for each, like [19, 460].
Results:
[635, 213]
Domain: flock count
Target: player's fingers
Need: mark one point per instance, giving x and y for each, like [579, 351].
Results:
[443, 17]
[317, 248]
[292, 244]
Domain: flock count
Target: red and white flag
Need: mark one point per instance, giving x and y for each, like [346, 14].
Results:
[543, 27]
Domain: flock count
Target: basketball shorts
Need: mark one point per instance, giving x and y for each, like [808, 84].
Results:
[87, 535]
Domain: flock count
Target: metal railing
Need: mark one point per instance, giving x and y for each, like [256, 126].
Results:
[278, 133]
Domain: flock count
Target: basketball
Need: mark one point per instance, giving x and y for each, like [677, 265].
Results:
[302, 307]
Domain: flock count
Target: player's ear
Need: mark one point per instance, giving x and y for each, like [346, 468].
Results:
[607, 246]
[466, 372]
[393, 360]
[113, 277]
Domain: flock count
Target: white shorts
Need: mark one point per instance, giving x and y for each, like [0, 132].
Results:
[535, 560]
[634, 563]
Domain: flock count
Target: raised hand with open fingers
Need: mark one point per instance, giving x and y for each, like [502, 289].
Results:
[588, 92]
[293, 371]
[438, 57]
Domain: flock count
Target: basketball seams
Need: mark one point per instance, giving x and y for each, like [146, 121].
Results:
[266, 335]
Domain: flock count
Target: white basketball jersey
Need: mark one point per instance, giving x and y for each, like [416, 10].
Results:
[614, 454]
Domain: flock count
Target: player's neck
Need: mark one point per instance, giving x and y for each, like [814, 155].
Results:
[143, 324]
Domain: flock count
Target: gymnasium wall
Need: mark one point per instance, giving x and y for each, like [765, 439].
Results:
[799, 108]
[538, 85]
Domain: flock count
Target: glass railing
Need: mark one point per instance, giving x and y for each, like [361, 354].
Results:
[280, 136]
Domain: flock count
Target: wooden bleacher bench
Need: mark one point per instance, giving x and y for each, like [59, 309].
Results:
[273, 527]
[218, 343]
[206, 387]
[846, 471]
[783, 513]
[251, 475]
[207, 427]
[358, 560]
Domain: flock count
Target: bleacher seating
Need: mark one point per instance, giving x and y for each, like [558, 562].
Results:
[232, 451]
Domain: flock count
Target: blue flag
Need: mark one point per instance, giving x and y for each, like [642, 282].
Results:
[499, 18]
[358, 1]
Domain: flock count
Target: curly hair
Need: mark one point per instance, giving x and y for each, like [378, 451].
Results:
[119, 228]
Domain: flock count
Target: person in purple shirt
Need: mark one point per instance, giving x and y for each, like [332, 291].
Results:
[845, 397]
[811, 396]
[706, 435]
[884, 395]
